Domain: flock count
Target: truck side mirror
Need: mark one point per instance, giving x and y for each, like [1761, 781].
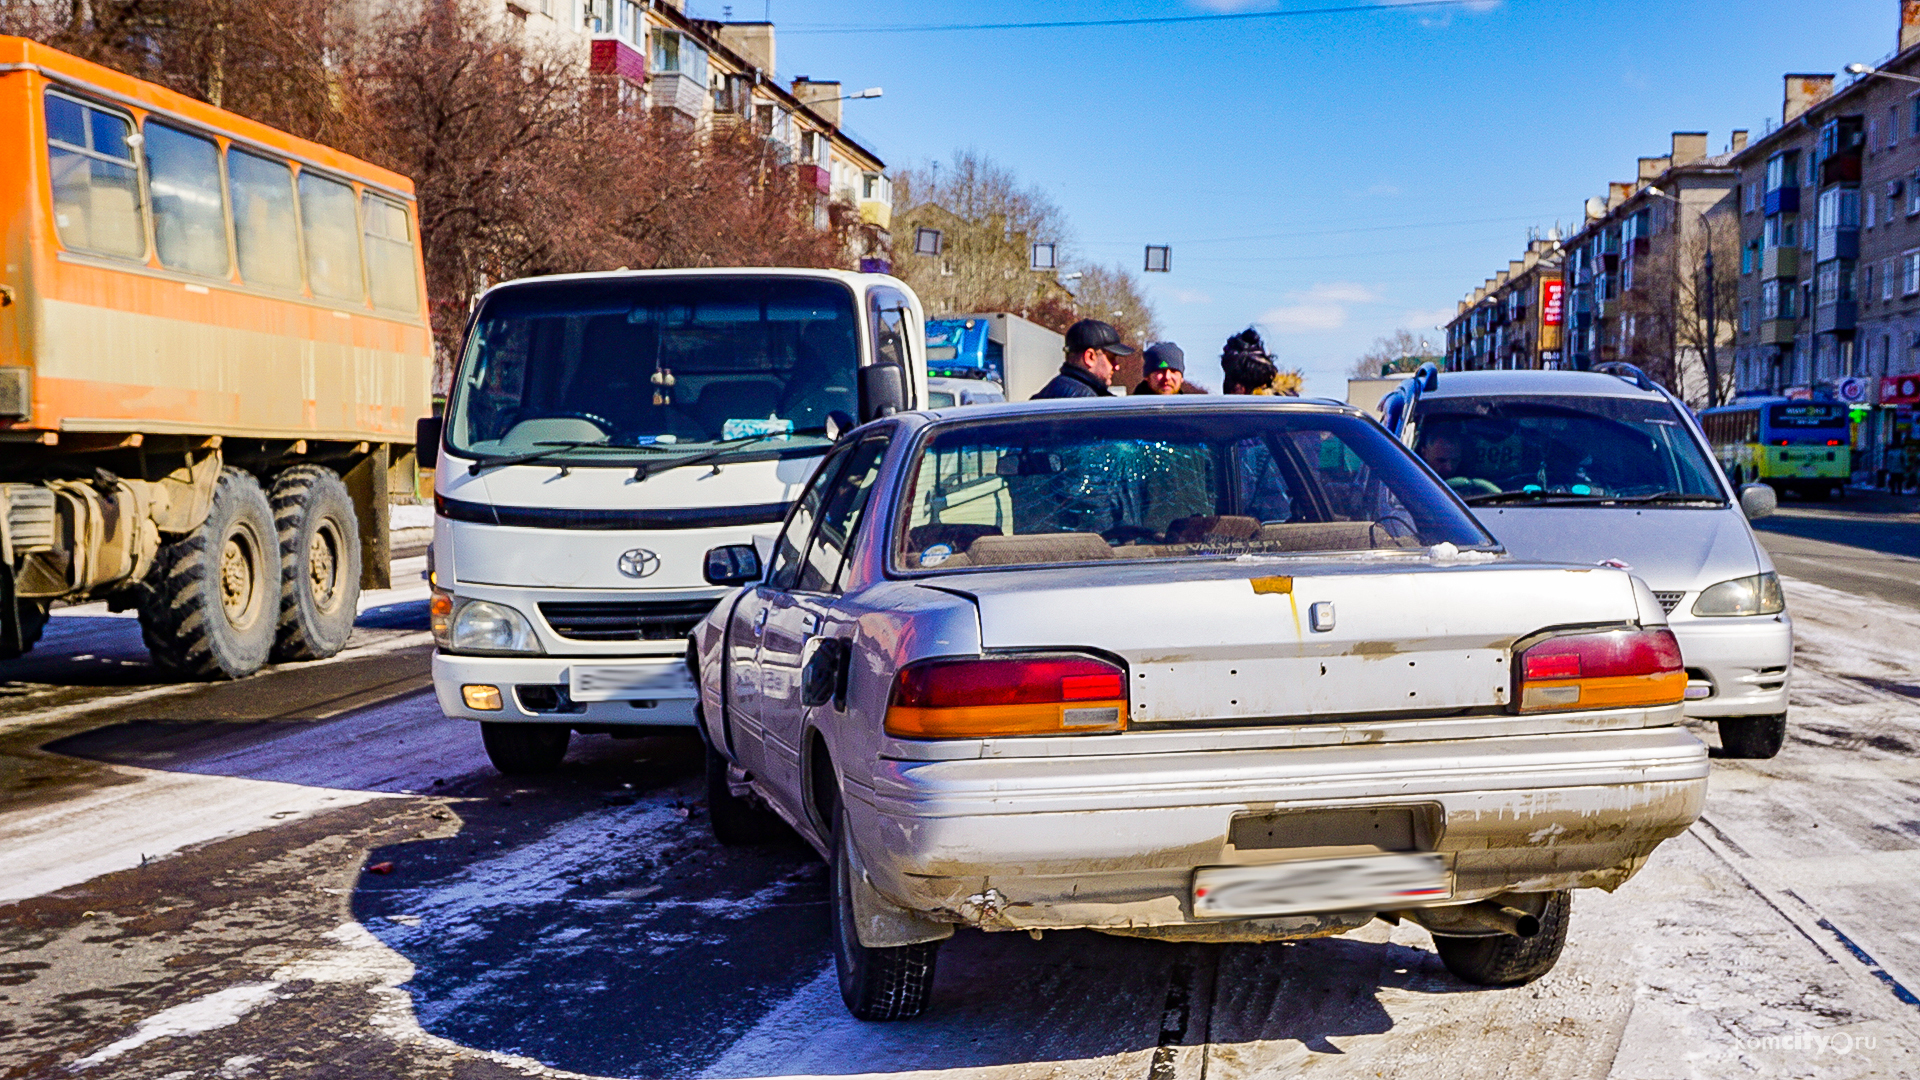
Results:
[1758, 500]
[735, 564]
[426, 441]
[883, 390]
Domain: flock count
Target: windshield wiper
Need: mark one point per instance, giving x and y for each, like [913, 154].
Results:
[1493, 497]
[1668, 497]
[552, 448]
[646, 469]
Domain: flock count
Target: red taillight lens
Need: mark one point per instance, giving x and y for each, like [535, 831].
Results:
[1607, 670]
[1038, 695]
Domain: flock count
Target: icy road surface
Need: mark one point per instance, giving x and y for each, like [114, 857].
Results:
[355, 894]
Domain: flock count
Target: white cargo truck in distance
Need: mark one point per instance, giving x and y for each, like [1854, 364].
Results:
[603, 433]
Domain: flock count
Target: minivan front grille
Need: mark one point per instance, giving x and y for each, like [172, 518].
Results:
[626, 620]
[1669, 600]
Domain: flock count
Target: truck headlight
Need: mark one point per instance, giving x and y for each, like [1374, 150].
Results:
[1756, 595]
[481, 626]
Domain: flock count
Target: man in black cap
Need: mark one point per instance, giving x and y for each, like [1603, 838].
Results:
[1165, 369]
[1092, 347]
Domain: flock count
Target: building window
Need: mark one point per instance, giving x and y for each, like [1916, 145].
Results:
[1893, 126]
[1783, 170]
[1866, 283]
[1913, 106]
[1770, 298]
[1749, 256]
[1870, 213]
[1873, 134]
[1886, 280]
[1910, 273]
[1746, 316]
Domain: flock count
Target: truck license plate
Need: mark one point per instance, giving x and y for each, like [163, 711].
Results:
[1383, 882]
[628, 682]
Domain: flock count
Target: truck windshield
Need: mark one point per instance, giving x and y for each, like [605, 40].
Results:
[655, 365]
[1564, 449]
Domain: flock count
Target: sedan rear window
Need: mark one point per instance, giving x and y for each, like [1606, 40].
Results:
[1173, 483]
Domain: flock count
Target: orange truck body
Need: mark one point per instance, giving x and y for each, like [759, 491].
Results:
[122, 343]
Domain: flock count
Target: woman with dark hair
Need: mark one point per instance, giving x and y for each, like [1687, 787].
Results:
[1248, 368]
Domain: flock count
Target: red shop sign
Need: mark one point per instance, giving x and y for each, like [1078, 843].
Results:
[1900, 389]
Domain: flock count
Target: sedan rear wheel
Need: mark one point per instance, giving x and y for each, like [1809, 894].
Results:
[1504, 960]
[1753, 736]
[877, 984]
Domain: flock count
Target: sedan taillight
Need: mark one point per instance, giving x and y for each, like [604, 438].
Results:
[1611, 669]
[1021, 695]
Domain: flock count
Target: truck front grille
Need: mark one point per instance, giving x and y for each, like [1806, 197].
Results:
[626, 620]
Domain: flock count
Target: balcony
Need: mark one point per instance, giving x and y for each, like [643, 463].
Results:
[1779, 262]
[1778, 331]
[1838, 317]
[875, 212]
[678, 93]
[1838, 244]
[817, 176]
[1784, 200]
[612, 56]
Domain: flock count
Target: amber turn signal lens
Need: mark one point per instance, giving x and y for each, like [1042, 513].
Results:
[1025, 695]
[481, 698]
[1612, 669]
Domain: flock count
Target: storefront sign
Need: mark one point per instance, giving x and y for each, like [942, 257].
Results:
[1900, 389]
[1853, 389]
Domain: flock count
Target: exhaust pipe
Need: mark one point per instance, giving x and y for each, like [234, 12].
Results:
[1495, 916]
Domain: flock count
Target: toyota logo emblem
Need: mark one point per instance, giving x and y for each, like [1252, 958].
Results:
[639, 563]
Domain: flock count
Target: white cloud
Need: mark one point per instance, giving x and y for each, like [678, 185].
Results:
[1319, 309]
[1190, 296]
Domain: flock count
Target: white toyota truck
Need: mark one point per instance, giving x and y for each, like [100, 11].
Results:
[602, 434]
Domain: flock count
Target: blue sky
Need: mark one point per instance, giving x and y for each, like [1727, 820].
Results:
[1327, 178]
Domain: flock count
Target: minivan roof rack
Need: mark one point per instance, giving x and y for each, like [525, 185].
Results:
[1630, 373]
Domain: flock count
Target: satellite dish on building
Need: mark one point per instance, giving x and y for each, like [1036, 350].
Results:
[1596, 208]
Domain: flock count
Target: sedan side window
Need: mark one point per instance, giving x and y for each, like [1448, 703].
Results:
[846, 504]
[793, 539]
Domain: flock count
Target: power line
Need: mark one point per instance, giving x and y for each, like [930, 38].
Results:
[1331, 232]
[1160, 20]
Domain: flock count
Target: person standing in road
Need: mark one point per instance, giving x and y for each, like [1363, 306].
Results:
[1092, 347]
[1165, 369]
[1248, 368]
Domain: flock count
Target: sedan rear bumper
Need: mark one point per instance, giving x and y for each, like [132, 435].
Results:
[1020, 843]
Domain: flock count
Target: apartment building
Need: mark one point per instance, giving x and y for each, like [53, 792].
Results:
[1648, 275]
[1830, 227]
[718, 75]
[1516, 319]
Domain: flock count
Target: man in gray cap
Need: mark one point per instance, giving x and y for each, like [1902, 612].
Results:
[1092, 346]
[1165, 368]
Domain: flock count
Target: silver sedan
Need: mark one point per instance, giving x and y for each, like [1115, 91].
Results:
[1189, 669]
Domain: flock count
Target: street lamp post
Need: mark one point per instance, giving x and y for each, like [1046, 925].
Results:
[1711, 313]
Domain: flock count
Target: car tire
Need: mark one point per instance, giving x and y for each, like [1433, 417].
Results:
[319, 538]
[737, 822]
[1504, 960]
[876, 984]
[525, 749]
[212, 597]
[1753, 736]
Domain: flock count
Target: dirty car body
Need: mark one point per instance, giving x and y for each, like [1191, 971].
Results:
[1189, 669]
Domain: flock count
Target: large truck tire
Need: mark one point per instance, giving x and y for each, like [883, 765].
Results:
[213, 595]
[319, 540]
[29, 618]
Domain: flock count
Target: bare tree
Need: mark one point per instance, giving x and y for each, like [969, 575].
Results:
[1402, 350]
[988, 223]
[1666, 330]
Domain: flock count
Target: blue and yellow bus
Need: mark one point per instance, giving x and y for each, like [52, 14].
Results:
[1802, 446]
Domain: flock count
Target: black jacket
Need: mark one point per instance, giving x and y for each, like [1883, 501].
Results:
[1073, 381]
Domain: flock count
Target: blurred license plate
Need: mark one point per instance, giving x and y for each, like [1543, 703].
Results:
[628, 682]
[1365, 881]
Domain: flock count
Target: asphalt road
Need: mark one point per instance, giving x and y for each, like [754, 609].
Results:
[312, 873]
[1867, 544]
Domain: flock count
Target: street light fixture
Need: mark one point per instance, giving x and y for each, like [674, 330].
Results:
[1869, 69]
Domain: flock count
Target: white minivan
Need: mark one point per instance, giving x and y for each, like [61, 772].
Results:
[1608, 468]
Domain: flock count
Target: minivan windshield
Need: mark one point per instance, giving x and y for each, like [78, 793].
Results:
[1564, 449]
[581, 370]
[1167, 483]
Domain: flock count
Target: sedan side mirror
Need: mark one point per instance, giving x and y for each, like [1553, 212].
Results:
[735, 564]
[1758, 500]
[883, 390]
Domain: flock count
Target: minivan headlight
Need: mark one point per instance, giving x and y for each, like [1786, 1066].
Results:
[1756, 595]
[481, 626]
